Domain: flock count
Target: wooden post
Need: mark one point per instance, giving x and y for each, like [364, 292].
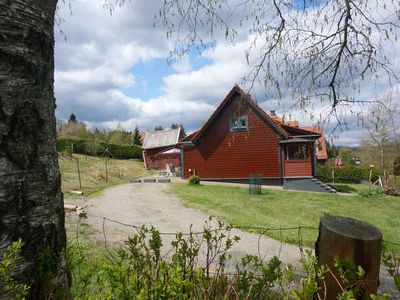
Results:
[105, 162]
[348, 238]
[79, 173]
[370, 178]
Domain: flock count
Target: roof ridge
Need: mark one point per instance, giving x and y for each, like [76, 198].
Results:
[253, 104]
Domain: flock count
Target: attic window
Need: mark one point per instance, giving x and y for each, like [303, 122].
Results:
[239, 124]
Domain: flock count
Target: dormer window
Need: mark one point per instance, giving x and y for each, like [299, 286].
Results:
[239, 124]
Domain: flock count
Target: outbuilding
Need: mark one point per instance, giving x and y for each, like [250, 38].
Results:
[160, 149]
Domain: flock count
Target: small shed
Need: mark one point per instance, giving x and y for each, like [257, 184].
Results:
[160, 149]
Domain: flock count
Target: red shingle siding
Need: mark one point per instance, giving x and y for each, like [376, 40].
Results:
[297, 168]
[154, 161]
[223, 154]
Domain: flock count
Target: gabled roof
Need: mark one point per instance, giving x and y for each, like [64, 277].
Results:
[236, 90]
[143, 135]
[189, 137]
[162, 138]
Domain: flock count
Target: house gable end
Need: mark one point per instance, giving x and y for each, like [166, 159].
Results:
[233, 95]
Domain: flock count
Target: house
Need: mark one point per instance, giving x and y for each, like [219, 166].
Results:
[159, 148]
[240, 139]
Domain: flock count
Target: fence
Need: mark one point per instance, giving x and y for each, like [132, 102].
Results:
[277, 249]
[207, 251]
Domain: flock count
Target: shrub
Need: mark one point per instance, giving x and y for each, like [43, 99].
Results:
[95, 148]
[351, 174]
[370, 193]
[324, 173]
[9, 262]
[346, 174]
[194, 179]
[200, 266]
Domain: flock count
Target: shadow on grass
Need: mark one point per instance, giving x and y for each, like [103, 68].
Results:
[343, 188]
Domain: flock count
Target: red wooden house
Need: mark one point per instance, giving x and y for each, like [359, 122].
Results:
[240, 139]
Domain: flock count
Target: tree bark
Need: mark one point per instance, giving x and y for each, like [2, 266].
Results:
[31, 202]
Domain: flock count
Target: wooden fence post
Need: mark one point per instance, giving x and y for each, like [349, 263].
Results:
[79, 173]
[349, 238]
[106, 166]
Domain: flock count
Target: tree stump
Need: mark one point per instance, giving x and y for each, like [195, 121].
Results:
[348, 238]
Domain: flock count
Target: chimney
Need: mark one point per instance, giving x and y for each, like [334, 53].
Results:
[273, 113]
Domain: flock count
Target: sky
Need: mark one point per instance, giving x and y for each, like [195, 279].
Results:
[113, 69]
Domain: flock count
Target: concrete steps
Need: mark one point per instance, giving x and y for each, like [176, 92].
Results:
[307, 184]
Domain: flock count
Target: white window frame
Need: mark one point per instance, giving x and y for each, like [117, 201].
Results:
[239, 124]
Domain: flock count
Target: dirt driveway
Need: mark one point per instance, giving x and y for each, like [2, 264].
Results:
[152, 204]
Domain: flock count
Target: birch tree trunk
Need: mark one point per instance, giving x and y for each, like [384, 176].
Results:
[31, 203]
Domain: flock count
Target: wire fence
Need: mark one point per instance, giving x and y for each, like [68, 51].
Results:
[259, 230]
[210, 264]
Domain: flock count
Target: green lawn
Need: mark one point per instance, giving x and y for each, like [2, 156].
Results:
[277, 208]
[93, 175]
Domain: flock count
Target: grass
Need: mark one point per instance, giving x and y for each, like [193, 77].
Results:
[280, 209]
[93, 175]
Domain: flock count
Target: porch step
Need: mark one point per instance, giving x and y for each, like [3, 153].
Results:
[307, 184]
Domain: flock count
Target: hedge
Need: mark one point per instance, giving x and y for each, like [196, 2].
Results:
[98, 148]
[346, 174]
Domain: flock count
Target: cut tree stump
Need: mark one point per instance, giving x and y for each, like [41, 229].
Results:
[349, 238]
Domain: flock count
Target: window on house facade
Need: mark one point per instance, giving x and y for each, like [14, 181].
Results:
[238, 124]
[297, 152]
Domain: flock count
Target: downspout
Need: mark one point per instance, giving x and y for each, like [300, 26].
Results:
[280, 163]
[182, 163]
[314, 169]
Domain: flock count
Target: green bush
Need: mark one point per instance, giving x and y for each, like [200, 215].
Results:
[200, 266]
[324, 173]
[352, 174]
[97, 148]
[10, 261]
[194, 179]
[346, 174]
[371, 193]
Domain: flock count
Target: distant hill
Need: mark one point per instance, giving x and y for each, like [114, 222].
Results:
[352, 148]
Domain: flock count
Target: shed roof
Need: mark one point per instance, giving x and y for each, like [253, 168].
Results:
[162, 138]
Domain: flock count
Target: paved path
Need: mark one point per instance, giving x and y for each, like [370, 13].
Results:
[152, 204]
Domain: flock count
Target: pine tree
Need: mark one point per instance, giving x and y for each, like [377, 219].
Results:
[137, 139]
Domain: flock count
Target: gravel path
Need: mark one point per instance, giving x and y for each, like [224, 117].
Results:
[151, 204]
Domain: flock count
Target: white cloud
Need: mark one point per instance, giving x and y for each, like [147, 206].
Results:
[94, 66]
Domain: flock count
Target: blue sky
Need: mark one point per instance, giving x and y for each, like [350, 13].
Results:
[114, 69]
[149, 75]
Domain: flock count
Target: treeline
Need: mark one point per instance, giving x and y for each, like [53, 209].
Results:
[78, 130]
[371, 154]
[67, 146]
[74, 137]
